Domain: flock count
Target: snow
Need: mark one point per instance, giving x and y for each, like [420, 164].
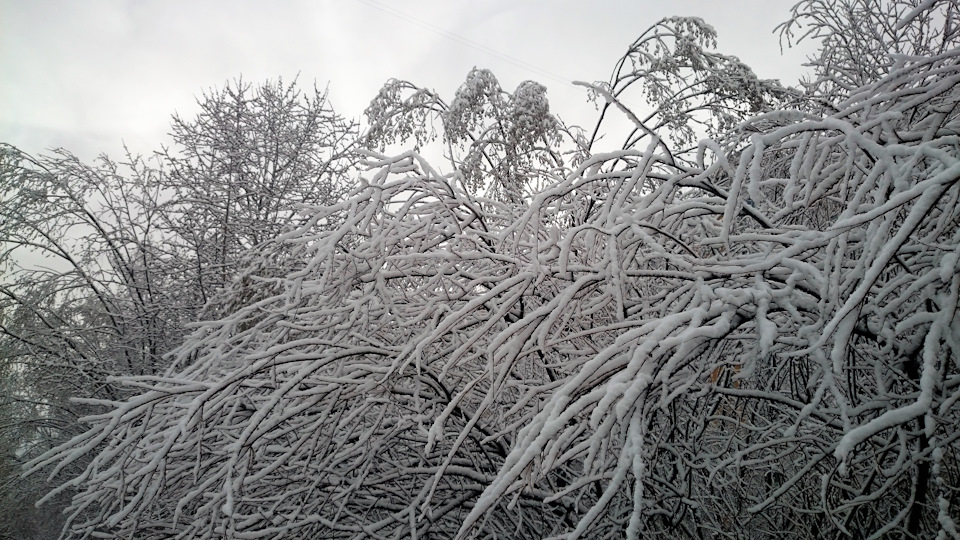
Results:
[651, 332]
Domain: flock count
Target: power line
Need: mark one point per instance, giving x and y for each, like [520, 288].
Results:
[466, 42]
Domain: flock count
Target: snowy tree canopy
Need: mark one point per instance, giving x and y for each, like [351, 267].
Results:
[102, 265]
[501, 143]
[759, 340]
[240, 167]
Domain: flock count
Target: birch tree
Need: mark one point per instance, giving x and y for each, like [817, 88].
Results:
[504, 145]
[673, 84]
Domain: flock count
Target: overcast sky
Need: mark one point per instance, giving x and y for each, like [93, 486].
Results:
[87, 75]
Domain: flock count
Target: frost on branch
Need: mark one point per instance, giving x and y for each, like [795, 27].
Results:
[862, 41]
[688, 89]
[238, 170]
[762, 339]
[502, 144]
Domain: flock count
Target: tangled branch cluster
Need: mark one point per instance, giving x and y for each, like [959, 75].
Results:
[761, 341]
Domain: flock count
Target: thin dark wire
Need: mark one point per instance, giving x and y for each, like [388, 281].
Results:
[466, 42]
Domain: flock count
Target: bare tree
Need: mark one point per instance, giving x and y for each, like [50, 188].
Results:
[862, 41]
[688, 89]
[504, 145]
[93, 298]
[241, 167]
[85, 296]
[104, 264]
